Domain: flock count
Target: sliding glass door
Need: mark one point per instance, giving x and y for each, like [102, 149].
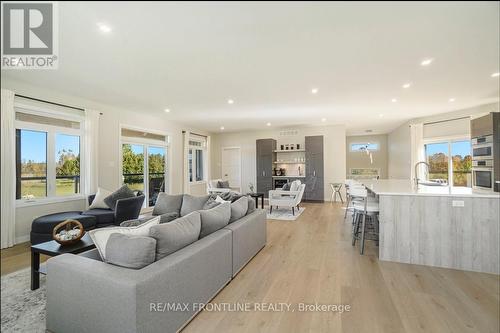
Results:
[156, 172]
[147, 175]
[450, 162]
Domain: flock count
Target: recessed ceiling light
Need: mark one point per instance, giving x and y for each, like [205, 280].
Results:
[323, 120]
[104, 28]
[222, 128]
[426, 62]
[495, 74]
[394, 100]
[268, 124]
[230, 101]
[407, 85]
[451, 100]
[381, 115]
[314, 91]
[167, 110]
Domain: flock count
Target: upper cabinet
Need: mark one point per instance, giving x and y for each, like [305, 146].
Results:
[482, 126]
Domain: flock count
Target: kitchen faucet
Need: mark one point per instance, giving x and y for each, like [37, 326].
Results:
[416, 171]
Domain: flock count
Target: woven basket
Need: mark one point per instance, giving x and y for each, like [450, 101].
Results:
[68, 225]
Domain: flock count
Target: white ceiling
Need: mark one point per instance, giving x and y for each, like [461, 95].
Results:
[192, 57]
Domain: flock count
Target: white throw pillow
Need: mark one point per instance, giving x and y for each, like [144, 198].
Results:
[219, 199]
[101, 236]
[98, 201]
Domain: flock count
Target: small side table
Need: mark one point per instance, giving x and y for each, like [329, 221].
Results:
[336, 187]
[256, 196]
[53, 248]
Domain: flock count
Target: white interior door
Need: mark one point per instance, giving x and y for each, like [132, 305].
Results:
[231, 166]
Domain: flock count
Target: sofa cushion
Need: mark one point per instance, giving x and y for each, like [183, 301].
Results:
[99, 197]
[215, 218]
[223, 184]
[175, 235]
[251, 206]
[122, 193]
[130, 251]
[101, 236]
[45, 224]
[191, 203]
[102, 216]
[168, 217]
[239, 209]
[166, 203]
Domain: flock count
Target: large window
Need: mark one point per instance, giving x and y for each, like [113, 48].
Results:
[67, 164]
[31, 164]
[147, 175]
[450, 162]
[47, 155]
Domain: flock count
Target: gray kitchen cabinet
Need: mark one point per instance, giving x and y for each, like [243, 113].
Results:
[265, 158]
[314, 169]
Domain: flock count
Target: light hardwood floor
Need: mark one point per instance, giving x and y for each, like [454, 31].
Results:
[311, 260]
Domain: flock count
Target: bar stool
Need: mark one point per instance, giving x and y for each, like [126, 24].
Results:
[363, 211]
[336, 187]
[352, 184]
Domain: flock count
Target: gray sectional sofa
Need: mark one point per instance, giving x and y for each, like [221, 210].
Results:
[85, 294]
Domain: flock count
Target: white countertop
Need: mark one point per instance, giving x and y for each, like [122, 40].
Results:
[291, 176]
[406, 187]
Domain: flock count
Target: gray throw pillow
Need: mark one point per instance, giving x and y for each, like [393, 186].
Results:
[191, 203]
[286, 187]
[211, 203]
[238, 209]
[166, 203]
[251, 206]
[168, 217]
[223, 184]
[215, 218]
[130, 251]
[175, 235]
[135, 222]
[122, 193]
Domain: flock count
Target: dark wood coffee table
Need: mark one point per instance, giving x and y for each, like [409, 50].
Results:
[256, 196]
[53, 248]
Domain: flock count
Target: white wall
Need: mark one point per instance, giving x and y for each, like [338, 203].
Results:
[361, 160]
[334, 151]
[399, 153]
[109, 148]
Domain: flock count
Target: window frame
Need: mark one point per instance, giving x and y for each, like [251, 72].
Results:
[364, 144]
[194, 159]
[448, 140]
[147, 143]
[51, 132]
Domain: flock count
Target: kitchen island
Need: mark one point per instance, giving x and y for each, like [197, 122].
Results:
[452, 227]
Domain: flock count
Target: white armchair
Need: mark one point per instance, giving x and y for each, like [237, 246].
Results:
[290, 198]
[212, 187]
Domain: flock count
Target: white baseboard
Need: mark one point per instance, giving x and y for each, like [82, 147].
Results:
[22, 239]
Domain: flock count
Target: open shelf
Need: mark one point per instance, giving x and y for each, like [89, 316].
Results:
[289, 151]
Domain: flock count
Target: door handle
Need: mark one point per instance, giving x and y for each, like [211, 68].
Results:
[263, 173]
[314, 173]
